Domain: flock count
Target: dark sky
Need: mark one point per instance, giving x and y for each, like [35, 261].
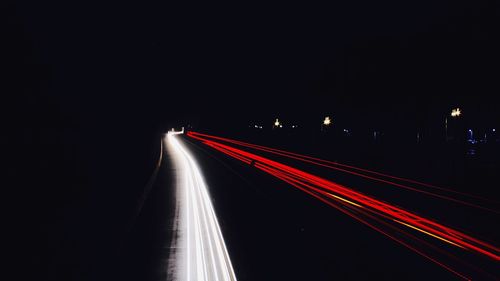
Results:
[100, 60]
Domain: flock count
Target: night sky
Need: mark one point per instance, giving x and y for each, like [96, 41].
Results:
[218, 60]
[91, 84]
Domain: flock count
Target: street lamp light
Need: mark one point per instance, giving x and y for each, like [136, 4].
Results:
[455, 112]
[326, 123]
[277, 124]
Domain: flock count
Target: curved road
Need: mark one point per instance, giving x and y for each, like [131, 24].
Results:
[271, 230]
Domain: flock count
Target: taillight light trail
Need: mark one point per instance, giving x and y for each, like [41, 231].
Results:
[392, 221]
[407, 184]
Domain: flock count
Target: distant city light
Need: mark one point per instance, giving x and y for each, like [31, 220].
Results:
[294, 126]
[455, 112]
[327, 121]
[494, 130]
[277, 124]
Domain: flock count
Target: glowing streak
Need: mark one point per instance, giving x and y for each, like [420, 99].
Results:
[336, 165]
[309, 189]
[428, 233]
[378, 207]
[201, 253]
[345, 200]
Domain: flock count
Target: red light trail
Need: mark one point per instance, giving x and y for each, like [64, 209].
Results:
[367, 174]
[392, 221]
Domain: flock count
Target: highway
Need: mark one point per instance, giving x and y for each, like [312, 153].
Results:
[223, 209]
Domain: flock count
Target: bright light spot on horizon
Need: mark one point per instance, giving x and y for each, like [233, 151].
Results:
[455, 112]
[327, 121]
[277, 123]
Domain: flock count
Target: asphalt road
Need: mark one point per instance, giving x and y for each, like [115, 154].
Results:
[272, 231]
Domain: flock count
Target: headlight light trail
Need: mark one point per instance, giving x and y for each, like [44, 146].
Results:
[200, 252]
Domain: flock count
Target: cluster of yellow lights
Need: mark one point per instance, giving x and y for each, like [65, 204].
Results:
[455, 112]
[277, 123]
[327, 120]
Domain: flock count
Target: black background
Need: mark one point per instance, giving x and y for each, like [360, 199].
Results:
[91, 86]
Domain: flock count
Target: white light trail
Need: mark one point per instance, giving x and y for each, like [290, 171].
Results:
[199, 252]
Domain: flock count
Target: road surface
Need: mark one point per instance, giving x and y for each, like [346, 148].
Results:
[271, 230]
